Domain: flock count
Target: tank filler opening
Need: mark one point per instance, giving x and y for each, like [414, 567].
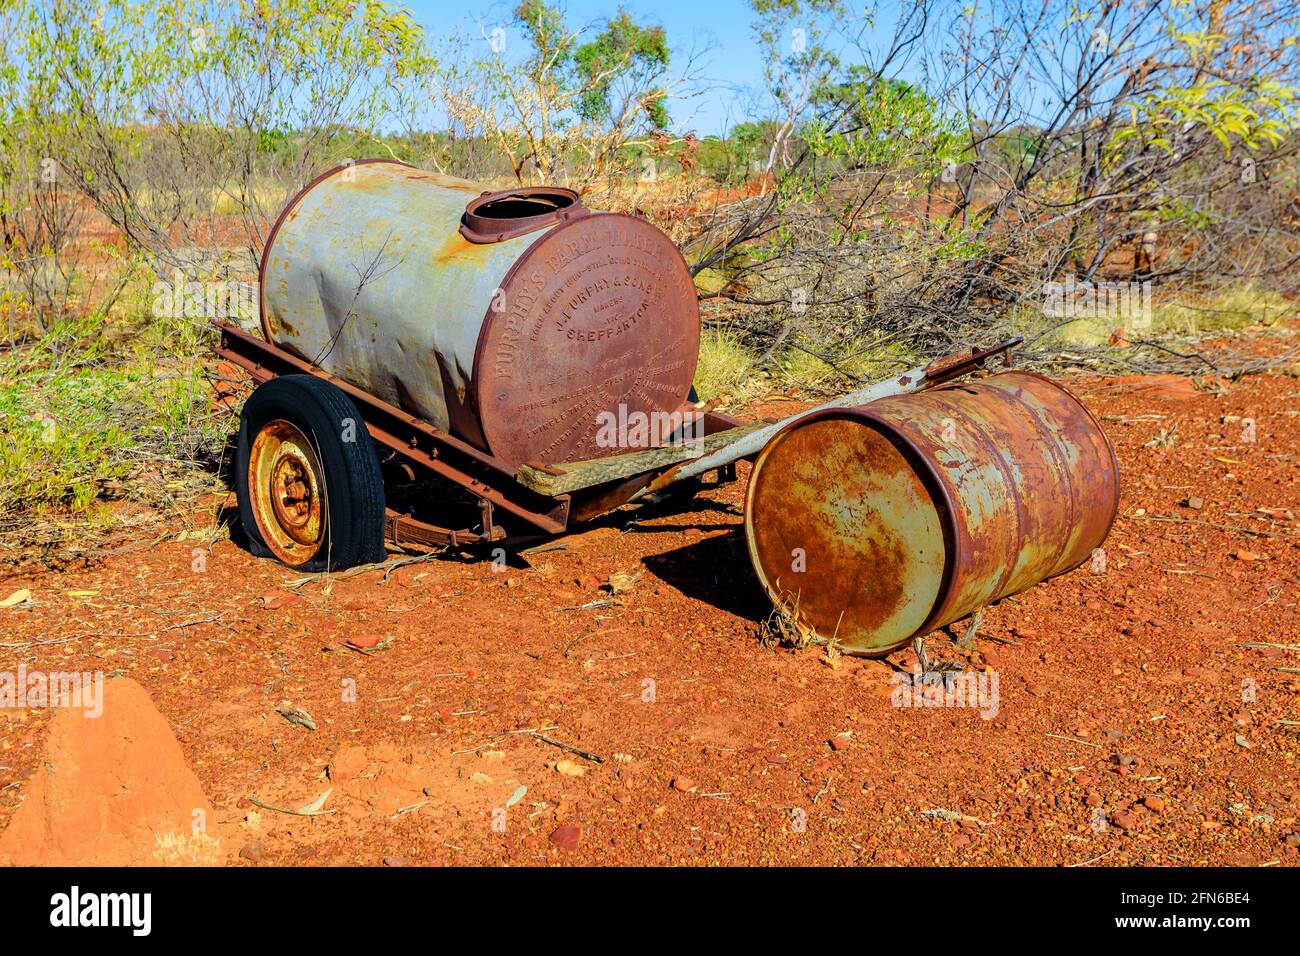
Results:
[522, 205]
[493, 217]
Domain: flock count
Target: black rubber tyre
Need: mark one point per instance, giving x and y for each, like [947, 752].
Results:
[352, 489]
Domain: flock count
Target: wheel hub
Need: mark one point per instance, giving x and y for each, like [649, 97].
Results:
[287, 490]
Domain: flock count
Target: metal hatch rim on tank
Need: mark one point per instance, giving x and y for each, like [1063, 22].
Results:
[477, 226]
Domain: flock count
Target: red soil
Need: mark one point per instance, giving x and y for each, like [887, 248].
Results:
[1146, 712]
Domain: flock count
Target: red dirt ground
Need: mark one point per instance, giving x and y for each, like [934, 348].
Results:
[1130, 691]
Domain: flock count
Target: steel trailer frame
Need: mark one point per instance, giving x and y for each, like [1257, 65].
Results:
[430, 449]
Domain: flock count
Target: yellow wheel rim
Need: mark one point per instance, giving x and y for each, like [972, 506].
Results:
[287, 491]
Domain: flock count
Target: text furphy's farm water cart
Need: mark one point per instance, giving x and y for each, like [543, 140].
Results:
[414, 324]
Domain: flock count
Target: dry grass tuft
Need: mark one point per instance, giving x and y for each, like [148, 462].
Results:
[784, 629]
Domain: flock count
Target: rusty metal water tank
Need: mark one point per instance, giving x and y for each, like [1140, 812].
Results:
[874, 524]
[509, 319]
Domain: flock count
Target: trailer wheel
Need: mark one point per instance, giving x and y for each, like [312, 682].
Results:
[307, 477]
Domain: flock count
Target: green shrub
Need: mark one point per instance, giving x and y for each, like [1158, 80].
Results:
[74, 415]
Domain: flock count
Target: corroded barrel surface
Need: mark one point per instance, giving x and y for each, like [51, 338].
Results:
[870, 525]
[512, 320]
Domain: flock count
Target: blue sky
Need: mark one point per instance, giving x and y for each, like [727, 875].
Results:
[733, 63]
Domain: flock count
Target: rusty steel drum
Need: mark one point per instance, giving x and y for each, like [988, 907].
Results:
[510, 319]
[873, 524]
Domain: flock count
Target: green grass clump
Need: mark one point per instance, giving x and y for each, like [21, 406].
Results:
[63, 434]
[846, 366]
[727, 369]
[872, 361]
[802, 370]
[1228, 310]
[74, 416]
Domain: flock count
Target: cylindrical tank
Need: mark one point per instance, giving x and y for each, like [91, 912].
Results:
[871, 525]
[510, 319]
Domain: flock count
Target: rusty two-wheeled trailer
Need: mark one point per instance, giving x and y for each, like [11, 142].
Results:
[504, 341]
[534, 499]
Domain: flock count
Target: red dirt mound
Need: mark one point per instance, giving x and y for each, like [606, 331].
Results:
[112, 790]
